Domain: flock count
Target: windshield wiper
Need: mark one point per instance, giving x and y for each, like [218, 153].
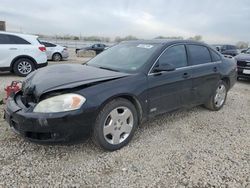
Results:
[107, 68]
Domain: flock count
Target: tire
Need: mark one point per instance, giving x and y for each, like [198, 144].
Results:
[23, 67]
[218, 99]
[57, 57]
[112, 132]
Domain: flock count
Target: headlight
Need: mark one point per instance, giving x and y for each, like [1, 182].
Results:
[60, 103]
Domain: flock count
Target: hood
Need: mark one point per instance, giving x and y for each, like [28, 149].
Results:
[66, 76]
[242, 57]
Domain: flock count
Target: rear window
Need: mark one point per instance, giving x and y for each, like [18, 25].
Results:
[12, 39]
[199, 54]
[232, 47]
[47, 44]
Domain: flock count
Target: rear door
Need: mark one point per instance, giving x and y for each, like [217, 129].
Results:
[169, 90]
[204, 63]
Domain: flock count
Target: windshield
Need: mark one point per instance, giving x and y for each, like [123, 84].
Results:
[124, 57]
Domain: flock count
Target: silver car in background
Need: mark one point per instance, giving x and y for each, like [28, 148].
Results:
[55, 52]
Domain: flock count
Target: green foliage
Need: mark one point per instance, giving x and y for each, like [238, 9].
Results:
[196, 38]
[127, 38]
[242, 44]
[173, 37]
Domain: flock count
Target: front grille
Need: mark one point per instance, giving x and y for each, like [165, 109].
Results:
[243, 64]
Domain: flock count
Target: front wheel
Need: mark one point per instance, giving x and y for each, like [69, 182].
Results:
[115, 124]
[218, 99]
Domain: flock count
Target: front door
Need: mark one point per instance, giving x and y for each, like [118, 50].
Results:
[169, 90]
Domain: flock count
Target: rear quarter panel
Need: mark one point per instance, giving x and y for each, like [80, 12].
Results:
[228, 70]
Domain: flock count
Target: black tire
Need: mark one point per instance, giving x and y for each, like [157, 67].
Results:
[98, 130]
[30, 65]
[211, 103]
[57, 57]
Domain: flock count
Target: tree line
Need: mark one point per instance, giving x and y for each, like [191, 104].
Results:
[240, 44]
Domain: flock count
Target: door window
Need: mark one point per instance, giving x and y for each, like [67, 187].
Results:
[175, 55]
[12, 39]
[199, 54]
[215, 56]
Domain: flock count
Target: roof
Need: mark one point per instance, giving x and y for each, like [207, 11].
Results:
[163, 41]
[30, 38]
[18, 34]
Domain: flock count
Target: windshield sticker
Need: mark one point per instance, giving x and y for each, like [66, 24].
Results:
[147, 46]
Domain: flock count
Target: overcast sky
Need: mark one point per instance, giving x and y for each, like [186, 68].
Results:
[215, 20]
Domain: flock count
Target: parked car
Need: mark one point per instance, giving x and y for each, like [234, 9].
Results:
[20, 53]
[243, 64]
[98, 48]
[230, 50]
[244, 50]
[55, 52]
[117, 90]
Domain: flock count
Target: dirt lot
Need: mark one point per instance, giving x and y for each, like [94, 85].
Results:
[187, 148]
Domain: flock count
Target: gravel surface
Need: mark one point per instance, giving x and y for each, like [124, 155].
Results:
[186, 148]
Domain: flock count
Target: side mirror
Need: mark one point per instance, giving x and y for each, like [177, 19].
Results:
[164, 67]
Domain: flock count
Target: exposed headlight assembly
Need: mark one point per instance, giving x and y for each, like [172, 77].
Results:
[60, 103]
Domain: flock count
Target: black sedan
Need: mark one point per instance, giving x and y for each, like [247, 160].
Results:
[243, 64]
[98, 48]
[117, 90]
[228, 50]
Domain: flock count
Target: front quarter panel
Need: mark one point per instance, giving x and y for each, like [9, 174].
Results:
[134, 86]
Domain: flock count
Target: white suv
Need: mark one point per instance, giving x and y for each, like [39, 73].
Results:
[20, 53]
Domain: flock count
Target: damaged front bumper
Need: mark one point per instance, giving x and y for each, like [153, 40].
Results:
[47, 127]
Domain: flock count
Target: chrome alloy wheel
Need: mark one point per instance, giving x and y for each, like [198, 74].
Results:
[24, 67]
[118, 125]
[220, 95]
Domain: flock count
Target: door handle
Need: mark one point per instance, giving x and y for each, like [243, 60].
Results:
[186, 75]
[13, 48]
[215, 69]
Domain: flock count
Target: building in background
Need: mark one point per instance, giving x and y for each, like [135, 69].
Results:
[2, 26]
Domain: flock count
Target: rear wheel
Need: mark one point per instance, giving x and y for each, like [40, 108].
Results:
[115, 124]
[218, 99]
[23, 66]
[56, 57]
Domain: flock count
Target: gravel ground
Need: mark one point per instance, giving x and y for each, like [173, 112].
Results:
[186, 148]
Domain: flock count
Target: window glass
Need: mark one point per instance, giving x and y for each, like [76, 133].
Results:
[223, 48]
[12, 39]
[44, 43]
[232, 48]
[125, 57]
[47, 44]
[199, 54]
[4, 39]
[215, 56]
[175, 55]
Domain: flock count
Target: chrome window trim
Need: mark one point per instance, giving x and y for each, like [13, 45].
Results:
[149, 72]
[180, 68]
